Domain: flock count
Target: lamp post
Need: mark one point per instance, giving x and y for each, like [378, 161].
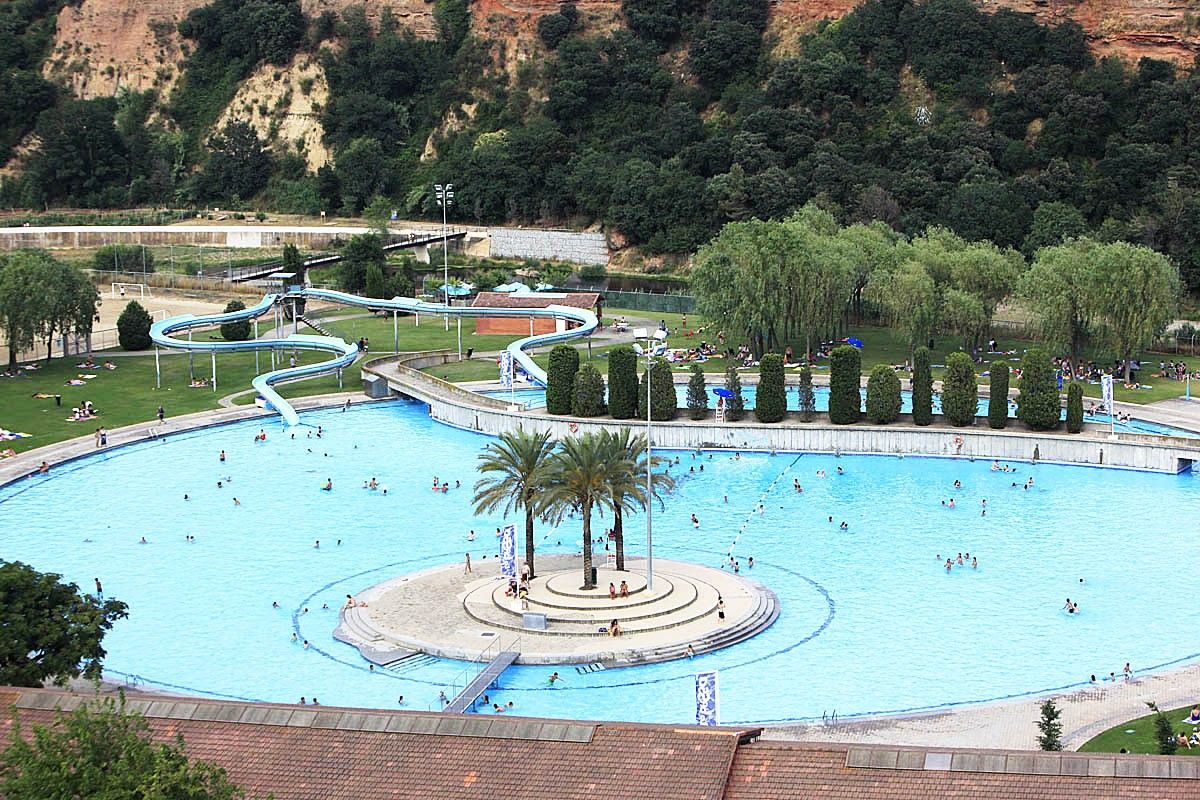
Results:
[445, 196]
[658, 336]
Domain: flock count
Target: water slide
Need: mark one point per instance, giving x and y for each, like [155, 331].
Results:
[344, 353]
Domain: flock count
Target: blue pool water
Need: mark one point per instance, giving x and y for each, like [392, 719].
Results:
[870, 623]
[534, 398]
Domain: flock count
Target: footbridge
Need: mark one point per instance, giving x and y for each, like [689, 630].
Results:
[417, 242]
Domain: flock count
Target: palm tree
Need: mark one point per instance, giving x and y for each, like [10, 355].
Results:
[628, 485]
[515, 473]
[580, 482]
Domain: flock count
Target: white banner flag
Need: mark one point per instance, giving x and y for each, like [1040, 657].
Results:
[506, 369]
[1106, 392]
[508, 551]
[708, 705]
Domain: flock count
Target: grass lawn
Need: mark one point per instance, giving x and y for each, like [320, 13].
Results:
[1137, 736]
[429, 335]
[127, 394]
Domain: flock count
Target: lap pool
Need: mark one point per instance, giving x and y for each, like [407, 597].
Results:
[871, 621]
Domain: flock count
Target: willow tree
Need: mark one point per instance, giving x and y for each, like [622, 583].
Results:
[1136, 298]
[1061, 291]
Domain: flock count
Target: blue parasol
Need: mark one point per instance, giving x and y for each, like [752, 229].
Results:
[854, 342]
[723, 392]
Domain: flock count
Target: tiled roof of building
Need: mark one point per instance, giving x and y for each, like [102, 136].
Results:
[538, 300]
[303, 752]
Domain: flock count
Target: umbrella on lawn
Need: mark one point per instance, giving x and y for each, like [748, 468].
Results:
[854, 342]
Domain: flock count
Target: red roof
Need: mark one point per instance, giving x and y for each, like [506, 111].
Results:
[538, 300]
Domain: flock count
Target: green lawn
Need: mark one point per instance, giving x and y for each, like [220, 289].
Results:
[1137, 736]
[429, 335]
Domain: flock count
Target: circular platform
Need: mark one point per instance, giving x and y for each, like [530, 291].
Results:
[447, 613]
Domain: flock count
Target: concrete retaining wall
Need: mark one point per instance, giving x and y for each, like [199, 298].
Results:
[583, 248]
[215, 235]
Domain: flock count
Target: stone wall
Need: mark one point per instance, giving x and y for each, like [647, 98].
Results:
[582, 248]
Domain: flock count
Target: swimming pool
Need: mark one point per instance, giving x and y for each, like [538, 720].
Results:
[870, 623]
[535, 398]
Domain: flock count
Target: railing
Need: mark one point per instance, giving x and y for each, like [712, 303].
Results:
[422, 380]
[463, 679]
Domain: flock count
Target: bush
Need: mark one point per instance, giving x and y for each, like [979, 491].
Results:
[922, 388]
[845, 400]
[662, 393]
[588, 400]
[697, 394]
[235, 331]
[622, 383]
[133, 327]
[808, 400]
[771, 405]
[1050, 737]
[560, 379]
[960, 392]
[883, 395]
[735, 407]
[1038, 404]
[593, 272]
[123, 258]
[1074, 407]
[1164, 732]
[998, 395]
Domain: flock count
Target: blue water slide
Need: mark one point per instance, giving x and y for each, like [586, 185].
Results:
[344, 353]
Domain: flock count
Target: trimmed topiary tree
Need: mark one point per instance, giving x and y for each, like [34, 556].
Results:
[998, 395]
[588, 399]
[1049, 727]
[845, 371]
[808, 400]
[960, 391]
[883, 395]
[1038, 404]
[664, 405]
[622, 383]
[735, 407]
[238, 331]
[560, 379]
[770, 404]
[1074, 407]
[133, 327]
[922, 388]
[697, 394]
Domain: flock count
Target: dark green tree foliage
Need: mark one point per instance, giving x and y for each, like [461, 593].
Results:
[960, 391]
[697, 394]
[735, 406]
[660, 21]
[1038, 404]
[588, 399]
[235, 331]
[1049, 727]
[1164, 732]
[123, 258]
[1074, 407]
[49, 630]
[560, 379]
[553, 28]
[664, 404]
[808, 400]
[770, 404]
[376, 282]
[26, 32]
[360, 253]
[80, 159]
[453, 18]
[103, 750]
[622, 383]
[883, 395]
[845, 399]
[238, 166]
[998, 394]
[922, 387]
[133, 327]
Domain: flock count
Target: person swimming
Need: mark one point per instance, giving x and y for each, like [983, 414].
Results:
[328, 487]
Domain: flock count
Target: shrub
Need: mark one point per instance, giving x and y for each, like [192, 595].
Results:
[123, 258]
[622, 383]
[998, 395]
[1038, 404]
[808, 400]
[1164, 732]
[771, 405]
[662, 393]
[133, 327]
[560, 379]
[845, 400]
[1074, 407]
[588, 400]
[235, 331]
[1050, 737]
[922, 388]
[593, 272]
[960, 392]
[697, 394]
[883, 395]
[735, 407]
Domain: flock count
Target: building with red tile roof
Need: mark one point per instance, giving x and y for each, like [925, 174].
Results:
[528, 326]
[326, 753]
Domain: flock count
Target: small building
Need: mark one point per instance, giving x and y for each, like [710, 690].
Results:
[528, 326]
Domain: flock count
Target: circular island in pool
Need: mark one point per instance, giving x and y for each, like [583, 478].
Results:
[876, 614]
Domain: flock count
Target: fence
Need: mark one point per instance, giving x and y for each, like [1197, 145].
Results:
[174, 280]
[650, 301]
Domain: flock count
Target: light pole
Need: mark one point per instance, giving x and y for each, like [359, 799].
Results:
[445, 197]
[658, 336]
